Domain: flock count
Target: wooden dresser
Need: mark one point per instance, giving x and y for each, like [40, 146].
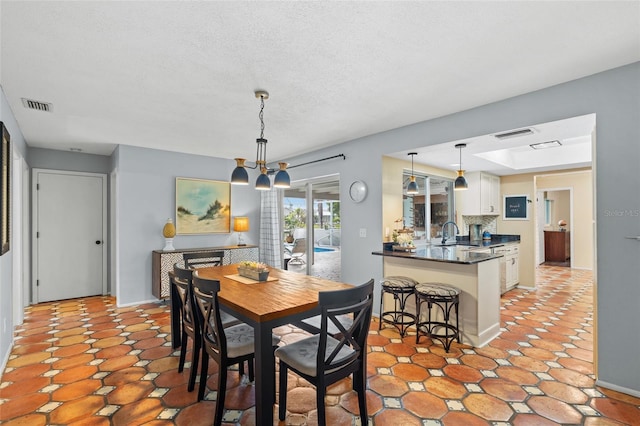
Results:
[557, 246]
[162, 262]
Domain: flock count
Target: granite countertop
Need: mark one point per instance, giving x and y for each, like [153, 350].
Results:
[462, 251]
[448, 254]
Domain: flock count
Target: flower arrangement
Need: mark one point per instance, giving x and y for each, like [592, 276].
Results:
[405, 239]
[254, 266]
[255, 270]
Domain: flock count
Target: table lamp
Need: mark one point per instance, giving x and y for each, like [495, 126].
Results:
[240, 225]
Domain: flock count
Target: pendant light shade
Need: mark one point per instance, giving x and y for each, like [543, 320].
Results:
[239, 176]
[412, 187]
[461, 182]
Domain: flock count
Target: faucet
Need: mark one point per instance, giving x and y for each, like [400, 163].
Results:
[444, 229]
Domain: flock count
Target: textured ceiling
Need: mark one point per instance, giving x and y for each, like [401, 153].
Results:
[180, 76]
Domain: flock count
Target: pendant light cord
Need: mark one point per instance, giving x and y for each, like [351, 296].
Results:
[261, 115]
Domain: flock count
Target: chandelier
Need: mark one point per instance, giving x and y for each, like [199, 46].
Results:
[240, 175]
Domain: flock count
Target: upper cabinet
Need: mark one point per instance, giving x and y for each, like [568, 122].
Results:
[482, 196]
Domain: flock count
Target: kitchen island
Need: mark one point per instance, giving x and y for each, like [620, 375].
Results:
[477, 276]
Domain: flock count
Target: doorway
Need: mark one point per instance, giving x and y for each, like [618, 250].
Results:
[320, 229]
[69, 230]
[554, 225]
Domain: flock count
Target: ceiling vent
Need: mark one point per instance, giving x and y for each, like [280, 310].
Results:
[37, 105]
[514, 133]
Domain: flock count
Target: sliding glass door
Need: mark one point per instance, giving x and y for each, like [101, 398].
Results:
[311, 211]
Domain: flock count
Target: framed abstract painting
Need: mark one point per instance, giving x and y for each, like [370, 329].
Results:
[202, 206]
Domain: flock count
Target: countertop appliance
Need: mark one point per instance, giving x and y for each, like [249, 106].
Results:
[475, 232]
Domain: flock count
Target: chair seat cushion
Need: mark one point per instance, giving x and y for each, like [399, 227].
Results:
[399, 282]
[437, 289]
[240, 340]
[316, 321]
[302, 355]
[228, 319]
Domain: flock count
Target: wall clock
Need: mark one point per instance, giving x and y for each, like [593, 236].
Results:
[358, 191]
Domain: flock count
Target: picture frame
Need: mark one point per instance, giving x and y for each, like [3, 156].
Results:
[5, 190]
[515, 207]
[202, 206]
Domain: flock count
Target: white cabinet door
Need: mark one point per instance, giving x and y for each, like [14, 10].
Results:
[483, 195]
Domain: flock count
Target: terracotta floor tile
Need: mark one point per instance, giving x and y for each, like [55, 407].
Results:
[26, 372]
[24, 387]
[155, 353]
[479, 362]
[445, 387]
[139, 413]
[396, 417]
[424, 405]
[149, 343]
[349, 402]
[73, 361]
[74, 374]
[532, 420]
[388, 385]
[488, 407]
[200, 414]
[242, 398]
[22, 405]
[410, 372]
[32, 348]
[517, 375]
[124, 376]
[463, 373]
[108, 332]
[92, 421]
[71, 340]
[113, 351]
[504, 389]
[118, 363]
[28, 359]
[457, 418]
[555, 410]
[571, 377]
[130, 392]
[32, 419]
[179, 397]
[617, 410]
[400, 349]
[76, 390]
[563, 392]
[529, 364]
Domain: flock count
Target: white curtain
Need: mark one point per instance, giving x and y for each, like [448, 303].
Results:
[270, 235]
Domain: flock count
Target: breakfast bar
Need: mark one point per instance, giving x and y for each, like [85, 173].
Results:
[477, 276]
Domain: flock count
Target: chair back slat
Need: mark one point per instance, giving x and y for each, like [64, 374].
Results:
[182, 279]
[206, 297]
[202, 258]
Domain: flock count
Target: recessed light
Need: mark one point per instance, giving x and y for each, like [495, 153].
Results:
[546, 145]
[75, 149]
[513, 133]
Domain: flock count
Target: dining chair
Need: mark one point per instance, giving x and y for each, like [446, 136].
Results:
[190, 327]
[322, 359]
[199, 259]
[227, 346]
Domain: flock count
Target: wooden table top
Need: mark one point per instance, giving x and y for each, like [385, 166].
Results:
[291, 294]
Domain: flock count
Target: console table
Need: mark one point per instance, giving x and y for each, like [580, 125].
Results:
[162, 262]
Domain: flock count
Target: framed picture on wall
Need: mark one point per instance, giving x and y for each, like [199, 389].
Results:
[515, 207]
[5, 196]
[202, 206]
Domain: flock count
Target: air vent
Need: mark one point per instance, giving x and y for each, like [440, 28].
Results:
[514, 133]
[37, 105]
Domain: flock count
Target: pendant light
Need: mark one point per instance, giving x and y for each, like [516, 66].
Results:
[461, 182]
[240, 175]
[412, 187]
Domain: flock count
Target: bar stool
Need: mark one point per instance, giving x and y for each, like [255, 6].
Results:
[446, 298]
[401, 288]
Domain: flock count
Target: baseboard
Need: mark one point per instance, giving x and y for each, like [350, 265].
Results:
[142, 302]
[617, 388]
[5, 358]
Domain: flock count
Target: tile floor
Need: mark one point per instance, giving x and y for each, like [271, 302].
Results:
[87, 362]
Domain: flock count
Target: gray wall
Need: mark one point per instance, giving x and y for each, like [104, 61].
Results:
[6, 260]
[41, 158]
[145, 198]
[615, 98]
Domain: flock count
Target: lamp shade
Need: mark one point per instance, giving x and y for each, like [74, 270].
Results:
[240, 175]
[241, 224]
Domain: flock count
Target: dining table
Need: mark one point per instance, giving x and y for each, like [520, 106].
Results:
[285, 298]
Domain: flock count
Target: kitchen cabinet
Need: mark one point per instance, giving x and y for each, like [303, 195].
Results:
[557, 246]
[509, 266]
[482, 196]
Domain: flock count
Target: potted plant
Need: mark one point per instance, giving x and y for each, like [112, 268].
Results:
[254, 270]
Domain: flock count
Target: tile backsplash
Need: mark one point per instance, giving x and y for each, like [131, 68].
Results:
[489, 223]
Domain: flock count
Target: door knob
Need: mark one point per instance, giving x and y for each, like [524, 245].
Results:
[98, 242]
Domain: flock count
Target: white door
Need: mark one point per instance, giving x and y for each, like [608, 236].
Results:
[69, 232]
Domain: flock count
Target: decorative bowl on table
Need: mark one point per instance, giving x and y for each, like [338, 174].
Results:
[254, 270]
